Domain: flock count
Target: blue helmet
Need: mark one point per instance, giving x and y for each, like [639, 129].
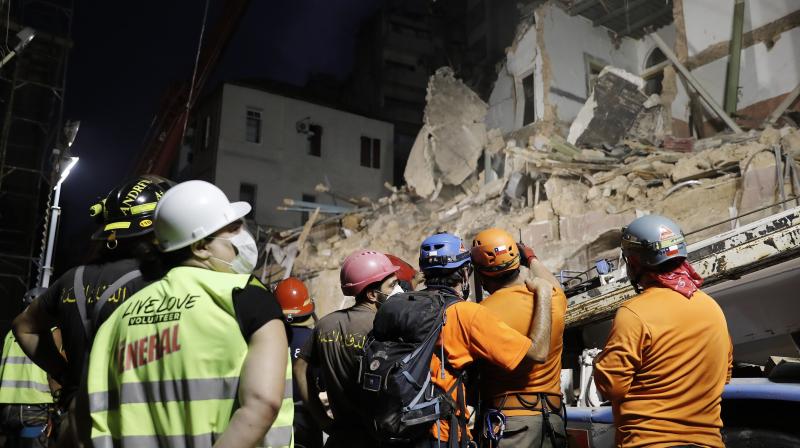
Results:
[654, 240]
[443, 251]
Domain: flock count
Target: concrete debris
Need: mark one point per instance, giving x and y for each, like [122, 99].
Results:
[611, 110]
[568, 201]
[452, 138]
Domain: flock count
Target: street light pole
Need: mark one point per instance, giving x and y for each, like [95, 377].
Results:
[55, 212]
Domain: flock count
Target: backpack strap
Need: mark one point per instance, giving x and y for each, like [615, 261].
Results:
[90, 322]
[80, 299]
[110, 291]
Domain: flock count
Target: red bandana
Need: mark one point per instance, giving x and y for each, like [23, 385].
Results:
[682, 279]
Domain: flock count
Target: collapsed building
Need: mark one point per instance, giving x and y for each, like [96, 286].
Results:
[565, 160]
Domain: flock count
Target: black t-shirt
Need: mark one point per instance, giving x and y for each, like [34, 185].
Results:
[59, 301]
[255, 306]
[335, 347]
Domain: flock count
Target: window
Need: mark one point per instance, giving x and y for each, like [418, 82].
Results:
[370, 152]
[307, 198]
[253, 129]
[206, 132]
[654, 84]
[247, 193]
[315, 140]
[529, 111]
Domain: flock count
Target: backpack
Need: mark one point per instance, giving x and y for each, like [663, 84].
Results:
[399, 400]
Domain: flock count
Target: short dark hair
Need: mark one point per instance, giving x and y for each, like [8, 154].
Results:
[444, 277]
[362, 296]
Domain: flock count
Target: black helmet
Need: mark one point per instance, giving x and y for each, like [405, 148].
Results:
[128, 210]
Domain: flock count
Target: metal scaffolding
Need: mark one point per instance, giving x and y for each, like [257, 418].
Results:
[31, 108]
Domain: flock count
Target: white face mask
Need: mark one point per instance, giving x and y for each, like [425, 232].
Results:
[245, 245]
[396, 290]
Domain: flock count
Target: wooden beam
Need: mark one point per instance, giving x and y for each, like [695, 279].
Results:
[694, 83]
[764, 33]
[734, 58]
[581, 6]
[773, 117]
[654, 70]
[618, 12]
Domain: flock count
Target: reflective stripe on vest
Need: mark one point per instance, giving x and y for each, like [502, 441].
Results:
[21, 381]
[164, 367]
[281, 432]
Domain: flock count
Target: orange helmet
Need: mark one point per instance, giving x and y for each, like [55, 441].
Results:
[494, 252]
[293, 296]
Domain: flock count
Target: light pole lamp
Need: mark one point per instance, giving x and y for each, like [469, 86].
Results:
[55, 212]
[25, 36]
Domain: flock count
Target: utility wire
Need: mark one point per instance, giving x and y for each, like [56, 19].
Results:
[194, 72]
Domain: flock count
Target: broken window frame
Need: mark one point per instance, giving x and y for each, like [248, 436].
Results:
[528, 103]
[315, 140]
[370, 150]
[253, 123]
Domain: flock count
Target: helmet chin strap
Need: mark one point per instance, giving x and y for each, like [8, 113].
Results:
[633, 279]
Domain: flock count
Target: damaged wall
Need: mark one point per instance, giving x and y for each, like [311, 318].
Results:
[560, 47]
[766, 71]
[565, 46]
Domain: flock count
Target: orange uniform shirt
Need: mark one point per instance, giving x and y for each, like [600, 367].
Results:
[471, 334]
[664, 366]
[515, 306]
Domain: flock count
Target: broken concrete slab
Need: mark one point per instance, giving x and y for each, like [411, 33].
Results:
[419, 167]
[567, 196]
[587, 227]
[453, 136]
[611, 110]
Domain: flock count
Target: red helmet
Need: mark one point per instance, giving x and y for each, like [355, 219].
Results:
[292, 294]
[405, 271]
[363, 268]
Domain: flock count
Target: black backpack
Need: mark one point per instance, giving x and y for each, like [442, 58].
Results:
[399, 400]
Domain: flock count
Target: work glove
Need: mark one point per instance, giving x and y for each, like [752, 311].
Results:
[526, 254]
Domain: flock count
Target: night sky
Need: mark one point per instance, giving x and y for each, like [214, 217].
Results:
[124, 58]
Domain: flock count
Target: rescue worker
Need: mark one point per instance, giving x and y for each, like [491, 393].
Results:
[471, 334]
[336, 344]
[26, 394]
[527, 399]
[669, 354]
[81, 299]
[298, 311]
[200, 357]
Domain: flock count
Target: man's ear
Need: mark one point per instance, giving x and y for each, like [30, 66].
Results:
[371, 295]
[200, 249]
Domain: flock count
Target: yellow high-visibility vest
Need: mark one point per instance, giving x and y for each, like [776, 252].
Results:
[164, 368]
[21, 381]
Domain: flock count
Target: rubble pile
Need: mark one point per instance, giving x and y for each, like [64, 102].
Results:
[568, 201]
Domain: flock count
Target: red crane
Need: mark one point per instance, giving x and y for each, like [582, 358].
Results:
[161, 147]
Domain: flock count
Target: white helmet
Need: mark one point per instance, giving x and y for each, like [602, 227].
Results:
[191, 211]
